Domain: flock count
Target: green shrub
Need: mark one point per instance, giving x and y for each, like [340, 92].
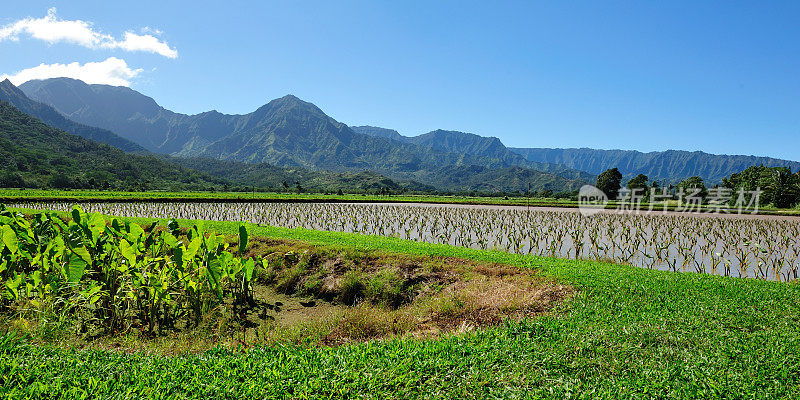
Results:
[387, 288]
[352, 287]
[288, 279]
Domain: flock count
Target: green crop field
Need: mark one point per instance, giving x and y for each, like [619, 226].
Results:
[16, 195]
[626, 333]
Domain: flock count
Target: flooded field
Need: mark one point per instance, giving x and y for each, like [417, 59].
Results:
[744, 246]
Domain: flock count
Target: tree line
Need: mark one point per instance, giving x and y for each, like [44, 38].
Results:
[778, 186]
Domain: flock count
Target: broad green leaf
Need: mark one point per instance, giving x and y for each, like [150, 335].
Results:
[249, 266]
[169, 240]
[75, 268]
[37, 278]
[135, 233]
[200, 228]
[173, 226]
[76, 214]
[83, 253]
[193, 247]
[178, 251]
[96, 225]
[57, 222]
[14, 283]
[127, 251]
[10, 239]
[58, 244]
[92, 294]
[213, 272]
[214, 268]
[211, 242]
[242, 239]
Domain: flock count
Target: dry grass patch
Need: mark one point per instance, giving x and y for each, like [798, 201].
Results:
[362, 295]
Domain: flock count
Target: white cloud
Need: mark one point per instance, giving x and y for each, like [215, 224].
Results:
[134, 42]
[112, 71]
[53, 30]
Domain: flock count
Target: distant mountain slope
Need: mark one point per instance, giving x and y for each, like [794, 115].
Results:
[469, 143]
[452, 142]
[291, 126]
[13, 95]
[269, 176]
[124, 111]
[38, 155]
[487, 148]
[475, 178]
[286, 132]
[670, 165]
[379, 132]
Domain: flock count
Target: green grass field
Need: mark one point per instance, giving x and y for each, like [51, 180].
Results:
[10, 196]
[627, 333]
[16, 195]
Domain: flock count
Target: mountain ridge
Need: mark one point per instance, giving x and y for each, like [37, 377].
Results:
[16, 97]
[669, 165]
[475, 145]
[285, 132]
[38, 155]
[292, 133]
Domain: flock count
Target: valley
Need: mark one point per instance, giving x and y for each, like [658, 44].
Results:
[388, 200]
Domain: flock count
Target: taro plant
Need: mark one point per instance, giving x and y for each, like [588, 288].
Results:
[117, 275]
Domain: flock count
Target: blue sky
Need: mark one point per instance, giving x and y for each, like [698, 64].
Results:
[631, 75]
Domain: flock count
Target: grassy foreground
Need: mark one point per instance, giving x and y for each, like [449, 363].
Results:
[627, 333]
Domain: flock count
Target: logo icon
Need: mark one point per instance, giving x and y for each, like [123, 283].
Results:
[591, 200]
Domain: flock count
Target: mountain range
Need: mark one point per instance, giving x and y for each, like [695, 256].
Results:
[668, 166]
[39, 155]
[285, 132]
[293, 134]
[289, 132]
[488, 148]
